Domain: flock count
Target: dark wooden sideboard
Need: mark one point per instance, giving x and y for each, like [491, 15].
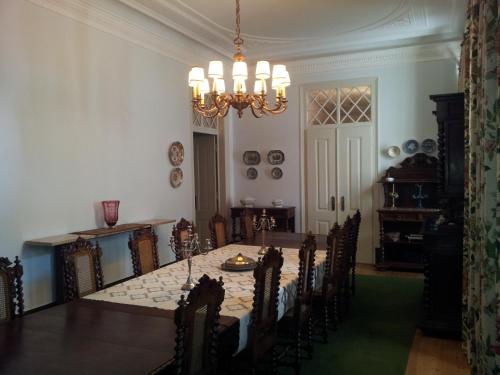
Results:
[284, 216]
[443, 241]
[402, 225]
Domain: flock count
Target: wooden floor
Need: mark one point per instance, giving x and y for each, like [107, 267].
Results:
[428, 355]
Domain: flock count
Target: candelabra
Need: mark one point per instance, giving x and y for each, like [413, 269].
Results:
[419, 196]
[263, 224]
[191, 246]
[393, 194]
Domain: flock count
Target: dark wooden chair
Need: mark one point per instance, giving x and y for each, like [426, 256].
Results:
[218, 230]
[246, 220]
[180, 233]
[298, 321]
[197, 320]
[354, 242]
[346, 244]
[325, 301]
[143, 248]
[82, 273]
[11, 289]
[263, 327]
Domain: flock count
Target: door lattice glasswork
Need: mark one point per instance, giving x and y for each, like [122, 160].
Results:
[339, 105]
[322, 108]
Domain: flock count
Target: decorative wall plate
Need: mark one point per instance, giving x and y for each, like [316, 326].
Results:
[275, 157]
[251, 157]
[252, 173]
[176, 177]
[277, 173]
[428, 146]
[176, 153]
[393, 151]
[411, 146]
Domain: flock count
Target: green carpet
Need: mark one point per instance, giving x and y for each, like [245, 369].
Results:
[376, 335]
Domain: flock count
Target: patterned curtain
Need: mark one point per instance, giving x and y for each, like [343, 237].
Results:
[480, 80]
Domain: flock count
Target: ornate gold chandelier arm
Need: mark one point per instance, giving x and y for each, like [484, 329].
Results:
[219, 106]
[260, 106]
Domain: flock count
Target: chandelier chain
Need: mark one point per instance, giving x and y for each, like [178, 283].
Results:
[237, 40]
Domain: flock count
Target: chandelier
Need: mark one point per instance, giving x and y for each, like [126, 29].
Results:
[211, 101]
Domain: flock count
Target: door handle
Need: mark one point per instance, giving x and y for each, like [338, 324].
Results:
[332, 199]
[342, 203]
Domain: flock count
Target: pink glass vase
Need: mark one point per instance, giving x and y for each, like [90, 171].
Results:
[110, 209]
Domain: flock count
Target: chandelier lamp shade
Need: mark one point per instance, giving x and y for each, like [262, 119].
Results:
[209, 95]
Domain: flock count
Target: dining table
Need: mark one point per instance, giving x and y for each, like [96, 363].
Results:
[129, 328]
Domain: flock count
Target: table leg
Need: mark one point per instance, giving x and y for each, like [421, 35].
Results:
[233, 235]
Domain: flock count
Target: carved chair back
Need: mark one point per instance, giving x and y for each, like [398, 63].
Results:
[143, 248]
[346, 241]
[333, 261]
[180, 232]
[217, 226]
[247, 229]
[82, 269]
[197, 320]
[356, 220]
[305, 282]
[11, 289]
[263, 321]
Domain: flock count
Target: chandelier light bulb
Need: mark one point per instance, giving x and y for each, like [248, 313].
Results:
[220, 86]
[239, 86]
[286, 81]
[262, 70]
[240, 70]
[196, 75]
[260, 85]
[215, 69]
[205, 87]
[279, 71]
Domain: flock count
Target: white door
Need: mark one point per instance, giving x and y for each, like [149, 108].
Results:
[355, 179]
[205, 179]
[321, 179]
[339, 158]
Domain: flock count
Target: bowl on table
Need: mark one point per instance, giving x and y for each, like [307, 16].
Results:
[248, 202]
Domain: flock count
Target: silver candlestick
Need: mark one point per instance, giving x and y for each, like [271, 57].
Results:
[191, 246]
[263, 224]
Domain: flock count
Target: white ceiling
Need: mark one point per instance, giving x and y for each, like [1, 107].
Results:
[295, 29]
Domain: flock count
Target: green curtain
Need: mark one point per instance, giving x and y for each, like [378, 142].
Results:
[480, 80]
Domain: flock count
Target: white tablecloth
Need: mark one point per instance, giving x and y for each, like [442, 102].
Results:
[162, 288]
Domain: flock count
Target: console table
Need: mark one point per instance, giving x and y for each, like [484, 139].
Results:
[61, 242]
[284, 216]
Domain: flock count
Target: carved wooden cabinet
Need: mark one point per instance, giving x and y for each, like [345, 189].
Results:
[402, 224]
[443, 242]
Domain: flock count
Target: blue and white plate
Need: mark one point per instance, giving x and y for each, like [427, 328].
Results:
[411, 146]
[428, 146]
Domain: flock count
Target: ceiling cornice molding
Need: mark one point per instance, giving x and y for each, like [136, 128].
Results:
[146, 34]
[201, 38]
[411, 54]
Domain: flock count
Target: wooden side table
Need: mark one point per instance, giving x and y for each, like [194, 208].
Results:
[284, 216]
[60, 243]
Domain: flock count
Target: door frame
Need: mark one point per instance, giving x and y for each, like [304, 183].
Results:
[373, 82]
[222, 145]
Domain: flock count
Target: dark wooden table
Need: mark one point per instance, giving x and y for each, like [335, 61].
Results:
[282, 239]
[94, 337]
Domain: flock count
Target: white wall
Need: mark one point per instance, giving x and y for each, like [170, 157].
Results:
[84, 116]
[404, 112]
